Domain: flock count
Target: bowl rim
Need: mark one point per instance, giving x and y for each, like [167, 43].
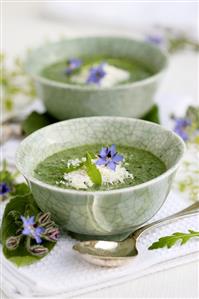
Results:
[148, 80]
[165, 174]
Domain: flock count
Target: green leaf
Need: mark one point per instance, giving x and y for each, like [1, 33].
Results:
[35, 121]
[20, 190]
[169, 241]
[8, 104]
[92, 170]
[193, 114]
[21, 203]
[7, 177]
[153, 115]
[181, 42]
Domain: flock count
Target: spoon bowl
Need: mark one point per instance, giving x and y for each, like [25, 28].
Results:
[107, 253]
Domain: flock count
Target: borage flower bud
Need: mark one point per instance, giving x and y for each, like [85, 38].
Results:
[13, 242]
[50, 224]
[44, 219]
[4, 188]
[38, 250]
[51, 234]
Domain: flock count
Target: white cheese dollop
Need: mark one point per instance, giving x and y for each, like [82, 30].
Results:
[113, 76]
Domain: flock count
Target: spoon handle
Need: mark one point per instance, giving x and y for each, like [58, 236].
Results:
[190, 210]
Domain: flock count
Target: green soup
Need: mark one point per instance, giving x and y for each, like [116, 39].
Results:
[142, 164]
[137, 70]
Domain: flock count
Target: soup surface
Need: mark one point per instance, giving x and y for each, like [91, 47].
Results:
[123, 70]
[138, 166]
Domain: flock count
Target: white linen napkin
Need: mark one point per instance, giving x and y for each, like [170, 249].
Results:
[62, 271]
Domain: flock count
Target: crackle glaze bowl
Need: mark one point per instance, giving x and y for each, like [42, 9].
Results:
[111, 214]
[65, 101]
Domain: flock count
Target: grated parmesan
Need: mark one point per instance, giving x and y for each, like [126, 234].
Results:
[75, 162]
[80, 180]
[113, 177]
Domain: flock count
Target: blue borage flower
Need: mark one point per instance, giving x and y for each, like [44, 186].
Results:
[181, 124]
[109, 157]
[155, 39]
[72, 65]
[96, 74]
[29, 229]
[4, 188]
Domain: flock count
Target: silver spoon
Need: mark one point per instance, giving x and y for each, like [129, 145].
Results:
[114, 254]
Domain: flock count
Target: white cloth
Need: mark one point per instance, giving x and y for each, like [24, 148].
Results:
[63, 272]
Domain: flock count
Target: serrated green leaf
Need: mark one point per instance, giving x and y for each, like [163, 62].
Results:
[169, 241]
[92, 170]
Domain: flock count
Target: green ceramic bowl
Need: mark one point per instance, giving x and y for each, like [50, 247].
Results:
[65, 101]
[105, 214]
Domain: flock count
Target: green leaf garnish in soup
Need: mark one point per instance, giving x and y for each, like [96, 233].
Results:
[92, 170]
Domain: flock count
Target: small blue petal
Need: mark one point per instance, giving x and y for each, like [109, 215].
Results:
[111, 165]
[31, 220]
[117, 158]
[39, 230]
[104, 152]
[112, 150]
[38, 239]
[26, 231]
[101, 161]
[37, 233]
[23, 219]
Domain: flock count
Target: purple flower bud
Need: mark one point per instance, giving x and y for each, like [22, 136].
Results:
[13, 242]
[38, 250]
[51, 234]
